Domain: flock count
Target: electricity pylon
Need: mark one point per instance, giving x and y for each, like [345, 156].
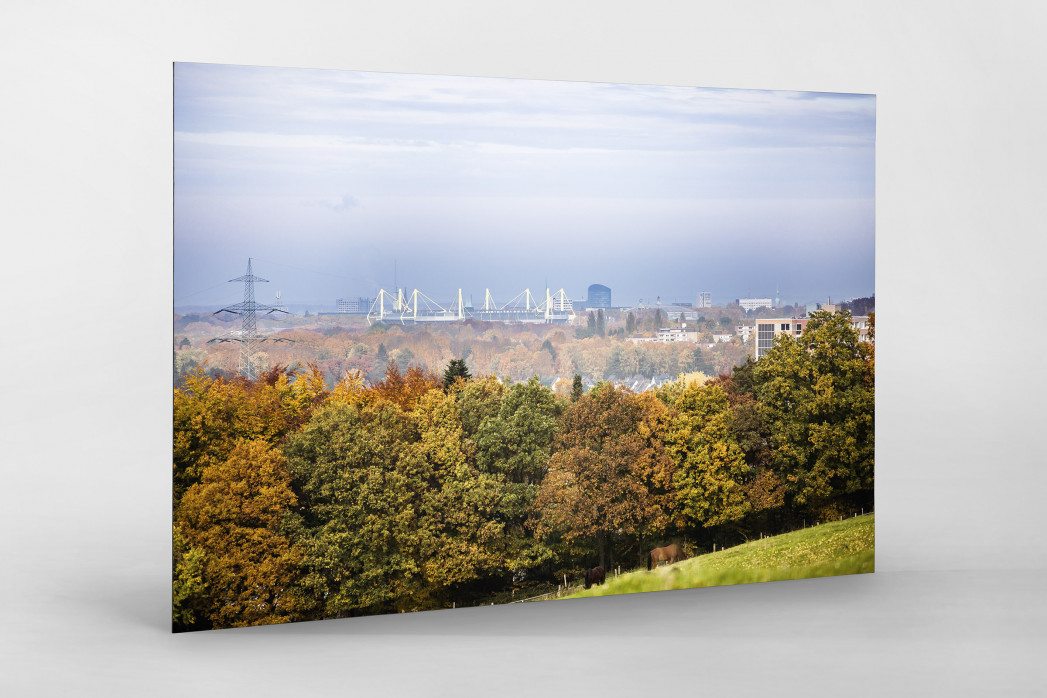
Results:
[247, 335]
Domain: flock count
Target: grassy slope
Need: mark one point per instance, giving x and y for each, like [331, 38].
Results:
[841, 547]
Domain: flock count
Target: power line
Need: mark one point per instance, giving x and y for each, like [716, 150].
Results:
[197, 293]
[311, 271]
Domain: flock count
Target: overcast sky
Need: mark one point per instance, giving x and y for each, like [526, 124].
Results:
[329, 178]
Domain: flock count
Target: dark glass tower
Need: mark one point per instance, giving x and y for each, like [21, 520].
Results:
[599, 297]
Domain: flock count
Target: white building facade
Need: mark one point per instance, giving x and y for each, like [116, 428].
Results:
[749, 304]
[668, 334]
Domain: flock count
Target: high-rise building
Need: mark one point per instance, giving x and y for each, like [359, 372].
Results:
[705, 300]
[599, 297]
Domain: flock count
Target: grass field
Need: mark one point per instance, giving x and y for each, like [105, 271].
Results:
[840, 547]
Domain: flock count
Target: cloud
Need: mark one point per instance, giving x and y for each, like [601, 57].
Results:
[347, 202]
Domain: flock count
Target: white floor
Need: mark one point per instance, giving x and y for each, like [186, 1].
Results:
[957, 633]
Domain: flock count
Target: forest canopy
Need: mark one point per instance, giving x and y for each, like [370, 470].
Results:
[297, 497]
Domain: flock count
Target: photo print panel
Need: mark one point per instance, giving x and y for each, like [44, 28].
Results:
[445, 341]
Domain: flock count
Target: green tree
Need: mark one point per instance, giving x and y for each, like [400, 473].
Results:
[359, 486]
[479, 400]
[462, 535]
[818, 394]
[548, 346]
[514, 446]
[577, 390]
[396, 515]
[456, 370]
[189, 592]
[630, 323]
[515, 443]
[659, 319]
[601, 323]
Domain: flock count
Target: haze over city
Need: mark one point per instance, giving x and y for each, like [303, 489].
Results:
[330, 178]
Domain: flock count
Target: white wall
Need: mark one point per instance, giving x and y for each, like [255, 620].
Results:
[85, 185]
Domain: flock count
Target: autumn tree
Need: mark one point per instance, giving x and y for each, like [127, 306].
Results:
[710, 468]
[231, 521]
[608, 472]
[404, 388]
[211, 414]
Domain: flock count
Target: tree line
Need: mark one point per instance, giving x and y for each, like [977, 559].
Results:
[515, 351]
[294, 500]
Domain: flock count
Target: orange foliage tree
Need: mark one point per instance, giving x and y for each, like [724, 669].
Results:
[210, 414]
[233, 516]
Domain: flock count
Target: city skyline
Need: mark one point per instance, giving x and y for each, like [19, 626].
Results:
[267, 295]
[330, 178]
